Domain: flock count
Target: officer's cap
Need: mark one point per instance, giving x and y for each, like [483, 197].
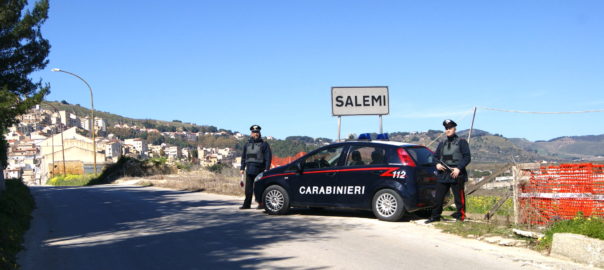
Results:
[449, 124]
[255, 128]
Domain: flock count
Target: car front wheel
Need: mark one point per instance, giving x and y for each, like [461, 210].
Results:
[387, 205]
[276, 200]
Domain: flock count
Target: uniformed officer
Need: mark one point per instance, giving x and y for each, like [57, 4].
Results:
[255, 159]
[454, 152]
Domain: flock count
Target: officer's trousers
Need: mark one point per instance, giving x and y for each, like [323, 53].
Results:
[458, 195]
[249, 189]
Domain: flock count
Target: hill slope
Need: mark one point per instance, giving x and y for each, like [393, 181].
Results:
[485, 147]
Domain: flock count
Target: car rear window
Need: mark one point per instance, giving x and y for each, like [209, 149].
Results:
[421, 155]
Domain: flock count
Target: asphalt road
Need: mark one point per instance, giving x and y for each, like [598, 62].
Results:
[126, 227]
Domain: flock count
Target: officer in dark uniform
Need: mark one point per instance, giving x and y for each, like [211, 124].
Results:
[255, 159]
[454, 152]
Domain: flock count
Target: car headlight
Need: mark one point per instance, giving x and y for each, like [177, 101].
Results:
[259, 176]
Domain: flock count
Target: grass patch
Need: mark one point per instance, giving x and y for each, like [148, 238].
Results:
[482, 205]
[589, 226]
[476, 229]
[227, 182]
[71, 180]
[16, 205]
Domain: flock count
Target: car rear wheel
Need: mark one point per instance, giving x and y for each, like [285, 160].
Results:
[388, 205]
[276, 200]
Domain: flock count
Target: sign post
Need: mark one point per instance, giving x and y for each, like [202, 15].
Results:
[360, 100]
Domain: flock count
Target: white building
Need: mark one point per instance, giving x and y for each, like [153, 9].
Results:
[185, 152]
[65, 118]
[155, 150]
[172, 152]
[77, 149]
[100, 124]
[113, 150]
[225, 152]
[139, 145]
[37, 137]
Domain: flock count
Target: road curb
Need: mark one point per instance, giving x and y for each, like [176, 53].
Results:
[578, 248]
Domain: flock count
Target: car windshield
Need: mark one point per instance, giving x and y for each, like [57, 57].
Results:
[421, 155]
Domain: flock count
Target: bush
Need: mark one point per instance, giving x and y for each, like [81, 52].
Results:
[216, 168]
[16, 205]
[591, 227]
[125, 166]
[71, 180]
[185, 166]
[132, 167]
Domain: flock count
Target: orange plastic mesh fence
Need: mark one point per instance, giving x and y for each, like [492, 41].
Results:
[561, 192]
[280, 161]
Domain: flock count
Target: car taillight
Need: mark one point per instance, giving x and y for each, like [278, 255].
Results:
[406, 159]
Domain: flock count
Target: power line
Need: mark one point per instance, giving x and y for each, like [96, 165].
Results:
[515, 111]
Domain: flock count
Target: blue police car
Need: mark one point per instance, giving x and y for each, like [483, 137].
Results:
[388, 178]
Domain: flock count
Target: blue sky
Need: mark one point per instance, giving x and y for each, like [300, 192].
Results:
[235, 63]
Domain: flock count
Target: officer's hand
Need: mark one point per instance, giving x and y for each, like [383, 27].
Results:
[440, 167]
[241, 171]
[455, 172]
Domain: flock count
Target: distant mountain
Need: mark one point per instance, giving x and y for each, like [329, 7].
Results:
[475, 133]
[487, 147]
[590, 147]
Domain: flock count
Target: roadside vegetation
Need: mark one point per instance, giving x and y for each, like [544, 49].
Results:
[589, 226]
[16, 206]
[71, 180]
[476, 229]
[208, 179]
[482, 205]
[132, 167]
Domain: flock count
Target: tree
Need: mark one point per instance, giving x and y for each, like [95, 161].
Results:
[23, 51]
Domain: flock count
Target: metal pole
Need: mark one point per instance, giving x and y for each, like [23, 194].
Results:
[339, 126]
[472, 126]
[62, 141]
[91, 112]
[516, 175]
[52, 141]
[381, 130]
[63, 151]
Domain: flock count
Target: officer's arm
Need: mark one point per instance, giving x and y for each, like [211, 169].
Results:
[439, 150]
[243, 157]
[268, 156]
[466, 157]
[437, 155]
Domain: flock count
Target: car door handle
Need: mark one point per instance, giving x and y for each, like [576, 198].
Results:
[331, 174]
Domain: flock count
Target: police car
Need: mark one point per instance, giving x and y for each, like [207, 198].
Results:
[388, 178]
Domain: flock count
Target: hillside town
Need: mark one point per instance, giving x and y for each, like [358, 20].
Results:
[45, 143]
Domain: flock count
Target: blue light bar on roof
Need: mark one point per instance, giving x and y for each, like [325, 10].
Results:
[365, 136]
[382, 136]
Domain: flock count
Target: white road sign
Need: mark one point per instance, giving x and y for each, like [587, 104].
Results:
[360, 101]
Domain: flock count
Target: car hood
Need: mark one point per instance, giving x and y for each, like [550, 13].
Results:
[276, 170]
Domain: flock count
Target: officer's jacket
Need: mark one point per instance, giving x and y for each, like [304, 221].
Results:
[462, 159]
[256, 156]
